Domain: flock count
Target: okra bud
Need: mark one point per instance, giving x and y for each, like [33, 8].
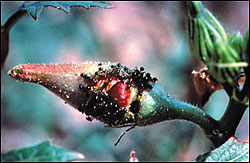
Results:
[210, 44]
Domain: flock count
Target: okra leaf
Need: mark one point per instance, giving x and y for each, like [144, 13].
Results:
[231, 151]
[34, 8]
[44, 152]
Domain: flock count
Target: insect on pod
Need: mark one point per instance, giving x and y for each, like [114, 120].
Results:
[109, 92]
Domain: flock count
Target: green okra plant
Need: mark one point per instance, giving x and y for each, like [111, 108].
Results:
[120, 96]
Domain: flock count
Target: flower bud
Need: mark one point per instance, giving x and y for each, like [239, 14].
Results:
[210, 44]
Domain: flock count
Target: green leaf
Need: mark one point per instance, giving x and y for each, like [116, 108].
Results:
[34, 8]
[40, 152]
[231, 151]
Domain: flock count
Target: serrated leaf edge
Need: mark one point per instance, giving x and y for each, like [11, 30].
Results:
[66, 10]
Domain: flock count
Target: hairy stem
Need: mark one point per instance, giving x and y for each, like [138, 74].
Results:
[158, 106]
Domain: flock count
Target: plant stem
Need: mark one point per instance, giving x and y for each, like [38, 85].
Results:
[13, 19]
[231, 118]
[158, 106]
[5, 29]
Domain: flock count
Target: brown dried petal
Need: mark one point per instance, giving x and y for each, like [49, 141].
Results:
[204, 84]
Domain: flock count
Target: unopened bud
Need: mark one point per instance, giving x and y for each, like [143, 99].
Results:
[210, 44]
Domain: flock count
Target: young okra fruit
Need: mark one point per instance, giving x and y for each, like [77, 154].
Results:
[114, 94]
[109, 92]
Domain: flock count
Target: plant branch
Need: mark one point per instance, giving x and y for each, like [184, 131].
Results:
[231, 118]
[13, 19]
[5, 29]
[158, 106]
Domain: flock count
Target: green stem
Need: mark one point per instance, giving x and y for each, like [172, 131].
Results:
[231, 118]
[158, 106]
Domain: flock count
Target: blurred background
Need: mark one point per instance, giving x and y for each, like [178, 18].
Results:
[148, 34]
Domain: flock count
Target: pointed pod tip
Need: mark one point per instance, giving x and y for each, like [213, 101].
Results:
[16, 72]
[10, 72]
[25, 72]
